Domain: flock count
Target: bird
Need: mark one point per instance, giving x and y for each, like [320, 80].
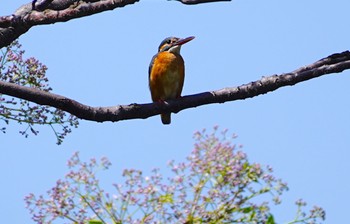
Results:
[166, 72]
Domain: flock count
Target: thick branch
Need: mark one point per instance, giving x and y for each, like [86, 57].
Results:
[40, 12]
[48, 12]
[332, 64]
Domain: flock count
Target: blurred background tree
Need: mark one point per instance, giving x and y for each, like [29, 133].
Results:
[216, 184]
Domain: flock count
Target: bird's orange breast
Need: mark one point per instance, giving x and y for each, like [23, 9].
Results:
[166, 76]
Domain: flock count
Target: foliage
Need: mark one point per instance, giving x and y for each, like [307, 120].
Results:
[216, 184]
[29, 72]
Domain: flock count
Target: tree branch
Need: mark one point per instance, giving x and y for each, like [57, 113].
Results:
[332, 64]
[51, 11]
[40, 12]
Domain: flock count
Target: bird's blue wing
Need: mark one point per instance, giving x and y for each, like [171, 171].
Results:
[151, 65]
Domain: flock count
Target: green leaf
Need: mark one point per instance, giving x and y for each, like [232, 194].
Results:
[247, 210]
[95, 222]
[270, 220]
[167, 198]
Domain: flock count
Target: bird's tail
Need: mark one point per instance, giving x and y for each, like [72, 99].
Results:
[166, 118]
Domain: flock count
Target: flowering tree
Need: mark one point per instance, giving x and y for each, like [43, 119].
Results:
[216, 184]
[29, 73]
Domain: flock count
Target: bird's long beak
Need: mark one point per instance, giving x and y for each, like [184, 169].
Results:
[184, 40]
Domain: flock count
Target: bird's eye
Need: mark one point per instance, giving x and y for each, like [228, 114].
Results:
[169, 41]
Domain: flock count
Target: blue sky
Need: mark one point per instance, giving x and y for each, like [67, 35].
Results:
[302, 131]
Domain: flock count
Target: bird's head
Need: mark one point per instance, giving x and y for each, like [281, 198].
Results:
[173, 44]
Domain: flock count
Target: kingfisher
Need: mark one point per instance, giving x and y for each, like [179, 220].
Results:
[166, 72]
